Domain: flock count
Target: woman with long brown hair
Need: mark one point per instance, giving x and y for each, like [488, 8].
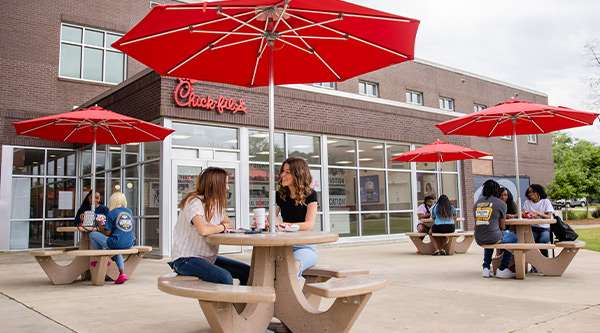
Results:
[203, 212]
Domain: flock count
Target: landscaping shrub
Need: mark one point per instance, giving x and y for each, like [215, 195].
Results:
[596, 213]
[577, 215]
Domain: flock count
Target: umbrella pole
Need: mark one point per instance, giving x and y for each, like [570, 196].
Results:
[514, 121]
[93, 171]
[271, 140]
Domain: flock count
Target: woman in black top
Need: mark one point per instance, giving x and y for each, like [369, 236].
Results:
[511, 206]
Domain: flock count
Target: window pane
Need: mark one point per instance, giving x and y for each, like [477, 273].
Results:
[115, 183]
[63, 163]
[25, 235]
[450, 188]
[448, 166]
[115, 156]
[150, 232]
[373, 224]
[426, 186]
[341, 152]
[362, 88]
[152, 188]
[27, 198]
[316, 185]
[370, 154]
[57, 189]
[131, 189]
[259, 146]
[204, 136]
[115, 67]
[93, 64]
[58, 239]
[342, 189]
[100, 159]
[399, 190]
[71, 34]
[70, 61]
[372, 190]
[259, 185]
[151, 150]
[100, 188]
[110, 39]
[131, 153]
[400, 223]
[95, 38]
[372, 89]
[307, 147]
[28, 161]
[346, 225]
[394, 150]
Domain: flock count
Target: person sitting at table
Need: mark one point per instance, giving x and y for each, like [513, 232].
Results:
[117, 233]
[538, 207]
[297, 202]
[203, 212]
[511, 206]
[490, 213]
[99, 208]
[424, 212]
[444, 214]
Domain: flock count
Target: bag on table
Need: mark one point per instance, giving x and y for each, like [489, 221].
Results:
[89, 219]
[562, 231]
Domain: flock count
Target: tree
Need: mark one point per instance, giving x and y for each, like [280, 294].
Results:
[576, 168]
[592, 54]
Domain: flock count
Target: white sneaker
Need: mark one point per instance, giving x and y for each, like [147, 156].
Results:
[505, 274]
[486, 273]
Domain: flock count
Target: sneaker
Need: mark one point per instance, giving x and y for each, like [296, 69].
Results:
[505, 274]
[122, 278]
[533, 270]
[486, 273]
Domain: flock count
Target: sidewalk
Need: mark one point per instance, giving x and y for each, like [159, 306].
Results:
[425, 293]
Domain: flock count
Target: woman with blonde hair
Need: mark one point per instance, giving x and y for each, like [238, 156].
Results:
[117, 233]
[203, 212]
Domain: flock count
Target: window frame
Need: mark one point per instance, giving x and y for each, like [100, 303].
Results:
[447, 101]
[532, 138]
[326, 85]
[366, 85]
[478, 107]
[413, 93]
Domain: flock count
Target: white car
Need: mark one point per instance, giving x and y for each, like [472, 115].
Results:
[572, 203]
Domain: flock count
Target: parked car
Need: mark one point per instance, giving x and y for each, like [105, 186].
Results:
[570, 203]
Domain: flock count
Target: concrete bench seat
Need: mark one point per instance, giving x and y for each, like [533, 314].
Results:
[519, 250]
[323, 272]
[45, 253]
[570, 244]
[455, 243]
[352, 285]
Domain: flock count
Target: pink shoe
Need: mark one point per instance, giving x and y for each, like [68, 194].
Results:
[93, 263]
[122, 278]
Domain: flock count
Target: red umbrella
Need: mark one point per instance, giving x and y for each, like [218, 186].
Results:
[92, 125]
[439, 151]
[267, 42]
[515, 117]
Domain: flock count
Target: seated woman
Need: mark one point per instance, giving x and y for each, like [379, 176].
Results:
[99, 208]
[538, 207]
[511, 206]
[424, 212]
[445, 215]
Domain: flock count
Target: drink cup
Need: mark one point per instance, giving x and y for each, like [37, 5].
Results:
[259, 217]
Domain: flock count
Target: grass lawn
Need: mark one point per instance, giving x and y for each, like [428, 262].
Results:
[591, 237]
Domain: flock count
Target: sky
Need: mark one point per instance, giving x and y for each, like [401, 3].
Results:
[535, 44]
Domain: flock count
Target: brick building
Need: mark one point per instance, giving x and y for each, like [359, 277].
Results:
[346, 130]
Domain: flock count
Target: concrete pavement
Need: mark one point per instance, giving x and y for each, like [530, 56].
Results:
[426, 293]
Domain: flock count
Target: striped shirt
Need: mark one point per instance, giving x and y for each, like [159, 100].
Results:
[186, 240]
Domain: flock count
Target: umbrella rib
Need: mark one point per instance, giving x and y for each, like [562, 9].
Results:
[280, 16]
[259, 56]
[227, 32]
[236, 43]
[234, 18]
[309, 26]
[37, 127]
[350, 15]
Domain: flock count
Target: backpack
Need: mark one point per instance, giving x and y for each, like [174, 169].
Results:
[562, 231]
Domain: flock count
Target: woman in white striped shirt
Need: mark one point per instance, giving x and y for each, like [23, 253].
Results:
[204, 212]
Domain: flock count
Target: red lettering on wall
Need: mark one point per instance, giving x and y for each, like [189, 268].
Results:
[185, 96]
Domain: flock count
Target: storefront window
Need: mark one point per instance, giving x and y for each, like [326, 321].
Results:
[448, 166]
[61, 163]
[399, 190]
[373, 224]
[115, 183]
[60, 198]
[400, 223]
[114, 153]
[27, 198]
[28, 162]
[100, 159]
[372, 190]
[258, 150]
[341, 152]
[131, 189]
[342, 189]
[151, 188]
[132, 151]
[450, 187]
[259, 184]
[149, 228]
[394, 150]
[54, 238]
[370, 154]
[204, 136]
[151, 150]
[346, 225]
[307, 147]
[426, 186]
[25, 234]
[100, 185]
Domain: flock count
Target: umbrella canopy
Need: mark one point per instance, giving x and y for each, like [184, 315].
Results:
[440, 151]
[266, 42]
[92, 125]
[515, 117]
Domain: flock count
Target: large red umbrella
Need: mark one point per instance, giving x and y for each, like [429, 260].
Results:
[515, 117]
[266, 42]
[440, 151]
[92, 125]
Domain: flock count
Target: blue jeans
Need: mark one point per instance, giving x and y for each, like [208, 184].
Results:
[507, 237]
[307, 256]
[98, 240]
[541, 235]
[222, 271]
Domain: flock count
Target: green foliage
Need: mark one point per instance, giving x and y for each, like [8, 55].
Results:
[591, 237]
[577, 214]
[576, 168]
[596, 213]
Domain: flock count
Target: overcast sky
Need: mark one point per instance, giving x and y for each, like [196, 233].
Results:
[536, 44]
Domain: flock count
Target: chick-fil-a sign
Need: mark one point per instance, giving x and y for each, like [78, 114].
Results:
[185, 96]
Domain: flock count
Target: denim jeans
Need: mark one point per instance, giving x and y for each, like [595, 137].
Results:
[222, 271]
[541, 235]
[98, 240]
[507, 237]
[307, 256]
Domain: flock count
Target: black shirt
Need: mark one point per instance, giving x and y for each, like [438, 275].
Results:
[292, 213]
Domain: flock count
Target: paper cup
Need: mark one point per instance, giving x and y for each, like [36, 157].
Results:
[259, 217]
